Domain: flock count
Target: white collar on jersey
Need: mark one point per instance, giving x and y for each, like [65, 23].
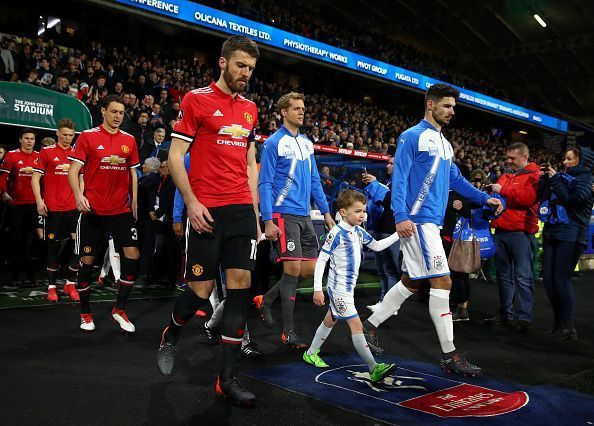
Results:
[344, 225]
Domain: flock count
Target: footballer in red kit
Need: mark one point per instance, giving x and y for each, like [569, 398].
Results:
[225, 124]
[215, 125]
[56, 207]
[107, 205]
[16, 172]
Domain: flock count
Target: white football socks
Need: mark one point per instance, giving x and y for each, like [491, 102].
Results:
[322, 334]
[439, 311]
[393, 299]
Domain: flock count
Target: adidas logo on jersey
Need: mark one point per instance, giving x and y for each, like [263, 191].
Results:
[217, 113]
[100, 147]
[56, 159]
[20, 162]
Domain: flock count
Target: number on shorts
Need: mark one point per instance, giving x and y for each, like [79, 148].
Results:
[134, 234]
[254, 250]
[40, 218]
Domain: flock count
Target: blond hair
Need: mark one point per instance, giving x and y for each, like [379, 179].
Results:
[285, 100]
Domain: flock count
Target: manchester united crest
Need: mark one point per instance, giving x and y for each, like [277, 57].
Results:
[197, 270]
[248, 117]
[125, 149]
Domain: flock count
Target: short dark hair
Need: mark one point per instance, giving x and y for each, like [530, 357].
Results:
[519, 146]
[112, 98]
[26, 130]
[66, 123]
[348, 197]
[439, 91]
[241, 43]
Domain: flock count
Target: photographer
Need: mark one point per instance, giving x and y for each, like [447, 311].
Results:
[514, 239]
[566, 208]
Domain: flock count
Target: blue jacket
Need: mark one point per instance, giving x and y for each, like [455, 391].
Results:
[289, 176]
[178, 200]
[577, 198]
[375, 192]
[424, 172]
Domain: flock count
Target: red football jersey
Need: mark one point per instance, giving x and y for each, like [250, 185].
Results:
[107, 159]
[218, 126]
[53, 164]
[17, 167]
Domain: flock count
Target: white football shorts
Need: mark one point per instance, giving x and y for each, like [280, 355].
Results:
[423, 255]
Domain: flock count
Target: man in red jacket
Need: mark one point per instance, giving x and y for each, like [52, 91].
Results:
[514, 239]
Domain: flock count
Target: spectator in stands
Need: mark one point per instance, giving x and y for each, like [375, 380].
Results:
[170, 112]
[462, 165]
[140, 89]
[89, 77]
[129, 78]
[112, 78]
[569, 198]
[100, 83]
[148, 185]
[62, 85]
[72, 74]
[514, 239]
[141, 130]
[45, 74]
[82, 62]
[7, 58]
[150, 146]
[326, 179]
[23, 60]
[155, 116]
[33, 79]
[118, 88]
[167, 248]
[163, 98]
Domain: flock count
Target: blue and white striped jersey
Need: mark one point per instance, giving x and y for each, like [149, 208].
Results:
[344, 248]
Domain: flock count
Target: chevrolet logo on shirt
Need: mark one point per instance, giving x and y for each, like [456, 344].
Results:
[113, 159]
[236, 131]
